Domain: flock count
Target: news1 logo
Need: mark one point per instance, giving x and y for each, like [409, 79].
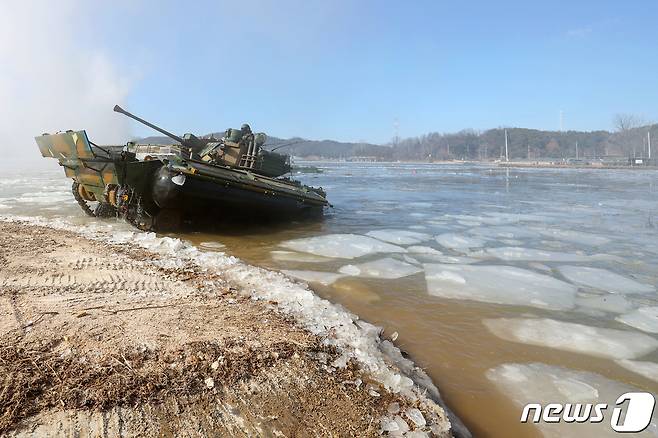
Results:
[637, 408]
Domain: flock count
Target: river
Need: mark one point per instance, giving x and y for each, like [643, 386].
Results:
[508, 286]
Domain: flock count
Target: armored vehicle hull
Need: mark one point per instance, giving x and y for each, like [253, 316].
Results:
[156, 187]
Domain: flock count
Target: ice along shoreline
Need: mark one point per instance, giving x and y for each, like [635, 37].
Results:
[355, 341]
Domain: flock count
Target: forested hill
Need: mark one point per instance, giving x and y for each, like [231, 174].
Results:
[469, 144]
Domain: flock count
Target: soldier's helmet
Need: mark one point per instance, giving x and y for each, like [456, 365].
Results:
[246, 129]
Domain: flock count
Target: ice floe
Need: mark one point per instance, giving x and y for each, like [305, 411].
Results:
[399, 237]
[645, 369]
[498, 284]
[515, 253]
[644, 318]
[442, 258]
[387, 268]
[604, 280]
[607, 303]
[459, 242]
[324, 278]
[503, 232]
[576, 338]
[579, 237]
[346, 246]
[293, 256]
[423, 250]
[544, 384]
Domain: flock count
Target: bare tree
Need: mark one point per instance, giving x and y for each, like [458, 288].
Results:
[625, 122]
[627, 135]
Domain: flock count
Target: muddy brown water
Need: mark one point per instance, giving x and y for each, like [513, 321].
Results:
[445, 337]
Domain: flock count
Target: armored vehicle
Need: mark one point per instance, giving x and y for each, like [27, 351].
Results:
[157, 186]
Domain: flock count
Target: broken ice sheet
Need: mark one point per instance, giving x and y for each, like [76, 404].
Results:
[607, 303]
[499, 285]
[503, 232]
[644, 318]
[648, 370]
[576, 338]
[387, 268]
[513, 253]
[442, 258]
[292, 256]
[544, 384]
[576, 237]
[346, 246]
[423, 250]
[399, 237]
[324, 278]
[459, 241]
[604, 280]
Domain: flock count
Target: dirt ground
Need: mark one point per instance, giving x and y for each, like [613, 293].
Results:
[99, 340]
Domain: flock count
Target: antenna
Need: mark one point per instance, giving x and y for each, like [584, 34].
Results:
[561, 120]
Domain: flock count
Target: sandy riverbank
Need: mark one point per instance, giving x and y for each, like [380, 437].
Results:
[101, 339]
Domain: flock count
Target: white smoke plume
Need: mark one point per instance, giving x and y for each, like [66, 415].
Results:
[52, 80]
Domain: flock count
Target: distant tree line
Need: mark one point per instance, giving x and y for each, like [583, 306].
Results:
[628, 140]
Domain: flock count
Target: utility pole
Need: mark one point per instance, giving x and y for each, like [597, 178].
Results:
[506, 151]
[528, 151]
[576, 150]
[649, 144]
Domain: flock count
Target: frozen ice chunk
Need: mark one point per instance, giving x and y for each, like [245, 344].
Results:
[410, 259]
[459, 241]
[577, 338]
[644, 318]
[576, 237]
[346, 246]
[604, 280]
[648, 370]
[400, 237]
[544, 384]
[383, 268]
[441, 258]
[607, 303]
[423, 250]
[503, 232]
[324, 278]
[512, 253]
[498, 284]
[511, 218]
[416, 417]
[293, 256]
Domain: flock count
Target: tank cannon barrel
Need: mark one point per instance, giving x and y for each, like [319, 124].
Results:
[118, 109]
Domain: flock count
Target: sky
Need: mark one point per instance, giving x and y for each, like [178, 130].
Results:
[343, 70]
